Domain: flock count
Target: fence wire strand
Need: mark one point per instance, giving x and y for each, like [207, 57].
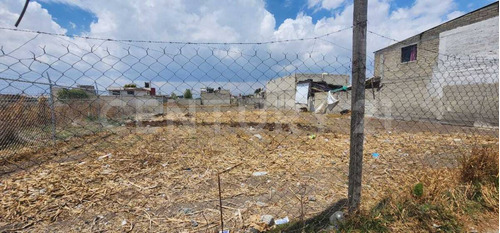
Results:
[126, 135]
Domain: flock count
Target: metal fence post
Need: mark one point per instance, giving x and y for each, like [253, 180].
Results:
[52, 111]
[357, 103]
[98, 102]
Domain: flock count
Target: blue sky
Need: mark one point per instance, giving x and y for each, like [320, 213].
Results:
[77, 20]
[208, 21]
[74, 19]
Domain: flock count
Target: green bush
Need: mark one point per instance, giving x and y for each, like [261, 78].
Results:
[65, 94]
[418, 190]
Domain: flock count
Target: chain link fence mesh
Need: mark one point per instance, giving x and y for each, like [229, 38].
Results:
[130, 136]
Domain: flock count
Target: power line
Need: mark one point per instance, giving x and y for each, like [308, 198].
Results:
[175, 42]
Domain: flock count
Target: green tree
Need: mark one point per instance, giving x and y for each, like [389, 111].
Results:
[258, 90]
[188, 94]
[66, 94]
[173, 96]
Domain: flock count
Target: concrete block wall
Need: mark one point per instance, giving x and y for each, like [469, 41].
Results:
[372, 101]
[436, 85]
[481, 14]
[185, 102]
[343, 97]
[280, 92]
[126, 106]
[254, 101]
[472, 104]
[219, 97]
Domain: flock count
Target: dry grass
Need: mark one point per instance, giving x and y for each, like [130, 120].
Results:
[156, 172]
[481, 166]
[453, 200]
[19, 116]
[22, 119]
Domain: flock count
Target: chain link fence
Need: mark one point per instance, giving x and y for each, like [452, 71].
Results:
[182, 137]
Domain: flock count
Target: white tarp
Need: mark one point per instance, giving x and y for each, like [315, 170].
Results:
[301, 93]
[329, 104]
[332, 101]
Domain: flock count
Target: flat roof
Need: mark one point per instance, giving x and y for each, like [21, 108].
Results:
[128, 89]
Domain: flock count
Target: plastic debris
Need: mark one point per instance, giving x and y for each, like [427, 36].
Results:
[124, 222]
[267, 219]
[187, 210]
[258, 136]
[312, 136]
[259, 173]
[281, 221]
[375, 155]
[104, 156]
[224, 231]
[194, 223]
[336, 217]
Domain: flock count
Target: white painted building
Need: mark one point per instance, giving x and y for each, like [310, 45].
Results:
[129, 91]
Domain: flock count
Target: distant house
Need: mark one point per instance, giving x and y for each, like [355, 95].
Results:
[132, 91]
[211, 96]
[450, 71]
[89, 89]
[281, 93]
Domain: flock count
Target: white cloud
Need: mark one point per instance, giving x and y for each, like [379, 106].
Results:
[331, 4]
[36, 18]
[454, 14]
[216, 21]
[313, 3]
[72, 25]
[325, 4]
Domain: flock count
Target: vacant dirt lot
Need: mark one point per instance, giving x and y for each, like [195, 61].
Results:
[160, 173]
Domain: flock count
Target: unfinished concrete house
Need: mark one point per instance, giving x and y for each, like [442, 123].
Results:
[448, 73]
[281, 93]
[211, 96]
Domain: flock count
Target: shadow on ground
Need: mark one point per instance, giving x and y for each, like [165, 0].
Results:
[318, 223]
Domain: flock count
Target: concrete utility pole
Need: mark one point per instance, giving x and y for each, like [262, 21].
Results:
[357, 103]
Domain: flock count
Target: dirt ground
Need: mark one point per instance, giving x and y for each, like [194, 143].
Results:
[160, 173]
